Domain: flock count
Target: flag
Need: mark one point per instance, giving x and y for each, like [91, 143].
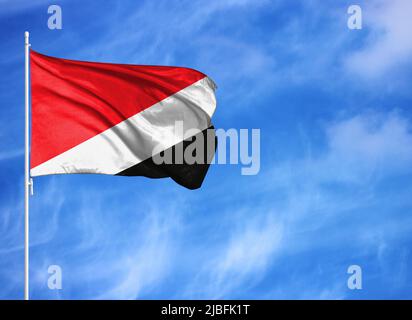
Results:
[120, 119]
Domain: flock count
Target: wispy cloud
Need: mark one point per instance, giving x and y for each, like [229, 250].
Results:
[241, 259]
[389, 45]
[18, 6]
[145, 262]
[102, 258]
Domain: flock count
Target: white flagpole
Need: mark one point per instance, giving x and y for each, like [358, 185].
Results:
[27, 180]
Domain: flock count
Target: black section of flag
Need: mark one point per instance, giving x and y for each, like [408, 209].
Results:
[186, 174]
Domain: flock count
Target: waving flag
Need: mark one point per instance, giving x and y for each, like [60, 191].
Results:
[90, 117]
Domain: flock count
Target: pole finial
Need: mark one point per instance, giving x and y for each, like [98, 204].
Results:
[26, 37]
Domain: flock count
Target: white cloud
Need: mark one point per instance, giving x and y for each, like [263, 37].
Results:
[16, 6]
[242, 258]
[249, 248]
[140, 267]
[359, 150]
[390, 43]
[370, 140]
[11, 220]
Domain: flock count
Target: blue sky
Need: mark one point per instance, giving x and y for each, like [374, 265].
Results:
[333, 106]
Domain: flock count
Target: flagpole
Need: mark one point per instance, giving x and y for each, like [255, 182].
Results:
[27, 179]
